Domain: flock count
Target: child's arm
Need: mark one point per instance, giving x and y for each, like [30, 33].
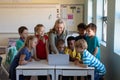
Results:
[76, 62]
[34, 55]
[22, 60]
[95, 51]
[47, 48]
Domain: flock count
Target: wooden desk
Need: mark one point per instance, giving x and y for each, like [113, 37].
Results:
[35, 68]
[73, 70]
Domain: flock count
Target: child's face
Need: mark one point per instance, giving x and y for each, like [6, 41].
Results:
[41, 31]
[61, 48]
[90, 32]
[59, 28]
[71, 44]
[34, 42]
[82, 32]
[79, 49]
[24, 34]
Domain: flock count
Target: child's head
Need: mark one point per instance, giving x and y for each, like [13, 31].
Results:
[39, 29]
[91, 29]
[23, 31]
[31, 42]
[80, 45]
[60, 45]
[82, 29]
[71, 42]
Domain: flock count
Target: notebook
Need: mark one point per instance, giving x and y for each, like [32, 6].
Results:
[58, 59]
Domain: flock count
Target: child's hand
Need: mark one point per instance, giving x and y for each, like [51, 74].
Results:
[36, 59]
[76, 62]
[30, 60]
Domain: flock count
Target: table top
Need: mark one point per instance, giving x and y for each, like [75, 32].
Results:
[42, 64]
[72, 66]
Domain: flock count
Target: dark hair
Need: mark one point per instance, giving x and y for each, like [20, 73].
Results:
[21, 29]
[92, 26]
[60, 42]
[81, 26]
[70, 38]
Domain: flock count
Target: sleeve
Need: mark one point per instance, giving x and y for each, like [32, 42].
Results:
[78, 56]
[52, 43]
[66, 51]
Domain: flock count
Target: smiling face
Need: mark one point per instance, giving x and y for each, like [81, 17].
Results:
[34, 42]
[41, 31]
[59, 28]
[90, 32]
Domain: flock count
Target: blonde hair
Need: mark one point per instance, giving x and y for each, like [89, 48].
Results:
[28, 41]
[81, 43]
[59, 21]
[37, 28]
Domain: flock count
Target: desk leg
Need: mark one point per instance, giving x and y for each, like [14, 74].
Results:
[58, 72]
[52, 73]
[18, 72]
[91, 72]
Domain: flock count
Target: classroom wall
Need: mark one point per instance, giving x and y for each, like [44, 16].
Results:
[109, 57]
[4, 37]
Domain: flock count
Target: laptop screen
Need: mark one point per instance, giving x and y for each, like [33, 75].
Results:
[58, 59]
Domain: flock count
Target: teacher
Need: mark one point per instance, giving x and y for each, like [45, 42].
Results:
[56, 33]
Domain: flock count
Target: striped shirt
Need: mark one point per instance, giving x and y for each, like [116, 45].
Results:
[92, 61]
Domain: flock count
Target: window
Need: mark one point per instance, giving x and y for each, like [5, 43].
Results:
[90, 10]
[117, 28]
[104, 18]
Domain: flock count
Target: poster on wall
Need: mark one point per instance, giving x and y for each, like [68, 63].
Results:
[72, 14]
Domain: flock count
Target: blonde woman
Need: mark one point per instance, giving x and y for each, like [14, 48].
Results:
[58, 32]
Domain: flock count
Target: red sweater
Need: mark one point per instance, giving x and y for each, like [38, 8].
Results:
[41, 48]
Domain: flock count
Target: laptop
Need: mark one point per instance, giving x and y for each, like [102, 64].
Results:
[58, 59]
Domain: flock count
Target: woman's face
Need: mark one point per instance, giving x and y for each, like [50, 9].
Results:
[59, 28]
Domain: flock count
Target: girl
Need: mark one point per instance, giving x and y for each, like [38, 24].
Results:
[92, 40]
[42, 46]
[23, 57]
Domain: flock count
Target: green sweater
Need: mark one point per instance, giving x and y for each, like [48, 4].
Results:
[53, 38]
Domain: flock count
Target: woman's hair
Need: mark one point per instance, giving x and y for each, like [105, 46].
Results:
[92, 26]
[59, 21]
[28, 41]
[21, 29]
[37, 27]
[81, 43]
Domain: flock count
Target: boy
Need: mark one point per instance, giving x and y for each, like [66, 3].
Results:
[82, 31]
[60, 46]
[89, 60]
[23, 32]
[71, 49]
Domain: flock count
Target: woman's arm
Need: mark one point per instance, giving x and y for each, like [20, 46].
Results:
[52, 43]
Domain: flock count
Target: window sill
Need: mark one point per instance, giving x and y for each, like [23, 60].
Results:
[103, 43]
